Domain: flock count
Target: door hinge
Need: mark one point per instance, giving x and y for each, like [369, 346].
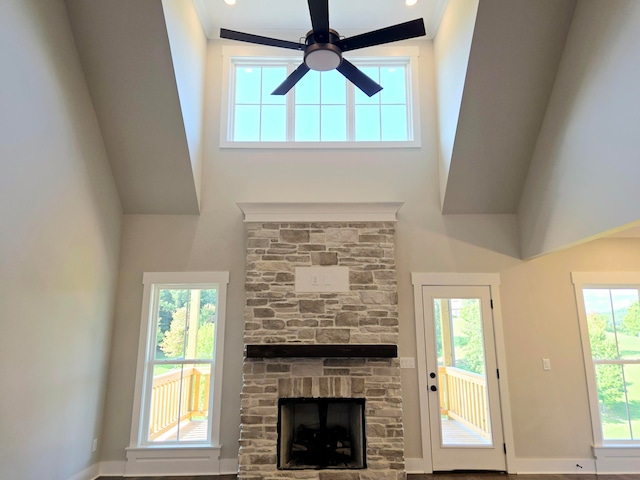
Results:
[491, 302]
[504, 445]
[498, 372]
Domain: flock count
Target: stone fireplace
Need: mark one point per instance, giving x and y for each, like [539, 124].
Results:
[320, 357]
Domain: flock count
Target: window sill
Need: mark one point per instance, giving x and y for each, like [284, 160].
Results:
[173, 446]
[616, 450]
[320, 145]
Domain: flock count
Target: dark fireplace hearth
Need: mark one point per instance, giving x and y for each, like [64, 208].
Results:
[321, 433]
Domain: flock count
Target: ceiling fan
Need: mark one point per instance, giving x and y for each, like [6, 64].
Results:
[323, 47]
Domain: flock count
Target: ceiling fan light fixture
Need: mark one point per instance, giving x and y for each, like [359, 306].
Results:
[323, 47]
[322, 57]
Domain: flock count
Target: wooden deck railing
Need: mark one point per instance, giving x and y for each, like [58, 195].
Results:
[171, 404]
[463, 398]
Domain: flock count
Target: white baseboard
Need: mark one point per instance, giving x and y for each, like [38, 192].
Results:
[172, 461]
[544, 465]
[414, 465]
[555, 465]
[89, 473]
[617, 459]
[228, 466]
[618, 466]
[112, 469]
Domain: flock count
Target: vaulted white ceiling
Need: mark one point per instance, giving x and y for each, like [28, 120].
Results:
[290, 18]
[133, 77]
[127, 57]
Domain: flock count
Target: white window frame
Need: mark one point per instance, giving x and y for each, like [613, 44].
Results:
[149, 458]
[369, 55]
[610, 451]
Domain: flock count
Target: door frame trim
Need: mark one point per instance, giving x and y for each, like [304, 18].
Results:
[491, 280]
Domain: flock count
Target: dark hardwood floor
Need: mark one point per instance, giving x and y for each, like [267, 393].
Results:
[195, 477]
[434, 476]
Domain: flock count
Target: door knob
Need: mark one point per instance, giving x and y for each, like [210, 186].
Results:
[433, 388]
[432, 375]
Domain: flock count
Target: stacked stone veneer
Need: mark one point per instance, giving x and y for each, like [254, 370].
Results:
[367, 314]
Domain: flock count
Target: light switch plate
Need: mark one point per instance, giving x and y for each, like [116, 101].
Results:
[407, 362]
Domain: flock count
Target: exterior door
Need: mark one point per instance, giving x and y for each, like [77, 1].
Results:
[463, 396]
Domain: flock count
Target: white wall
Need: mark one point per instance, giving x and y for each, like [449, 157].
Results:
[551, 411]
[583, 178]
[215, 241]
[550, 414]
[452, 46]
[59, 241]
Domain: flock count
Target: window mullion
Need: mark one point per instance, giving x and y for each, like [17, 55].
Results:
[291, 108]
[408, 104]
[320, 107]
[351, 113]
[232, 103]
[260, 108]
[380, 105]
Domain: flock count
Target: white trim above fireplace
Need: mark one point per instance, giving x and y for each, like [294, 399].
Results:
[320, 211]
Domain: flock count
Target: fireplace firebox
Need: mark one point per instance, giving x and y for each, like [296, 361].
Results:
[321, 433]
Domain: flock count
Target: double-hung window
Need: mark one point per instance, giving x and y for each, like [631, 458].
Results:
[324, 108]
[178, 382]
[609, 313]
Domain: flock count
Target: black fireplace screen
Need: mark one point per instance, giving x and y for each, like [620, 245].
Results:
[321, 433]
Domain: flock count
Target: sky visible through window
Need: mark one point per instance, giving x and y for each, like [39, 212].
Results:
[326, 107]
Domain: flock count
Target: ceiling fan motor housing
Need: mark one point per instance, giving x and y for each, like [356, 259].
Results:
[322, 56]
[323, 47]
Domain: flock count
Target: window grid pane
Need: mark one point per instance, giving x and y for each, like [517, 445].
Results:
[613, 320]
[273, 123]
[259, 116]
[333, 123]
[181, 366]
[307, 123]
[367, 123]
[256, 117]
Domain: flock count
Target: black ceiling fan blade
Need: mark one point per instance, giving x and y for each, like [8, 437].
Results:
[248, 37]
[359, 79]
[402, 31]
[319, 10]
[291, 80]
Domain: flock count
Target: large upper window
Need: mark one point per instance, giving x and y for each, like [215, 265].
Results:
[179, 372]
[323, 108]
[609, 311]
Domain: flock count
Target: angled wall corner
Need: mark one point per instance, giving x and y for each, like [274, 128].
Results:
[452, 47]
[582, 182]
[127, 60]
[188, 44]
[513, 59]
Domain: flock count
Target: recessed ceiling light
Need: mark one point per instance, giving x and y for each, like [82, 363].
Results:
[410, 3]
[233, 2]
